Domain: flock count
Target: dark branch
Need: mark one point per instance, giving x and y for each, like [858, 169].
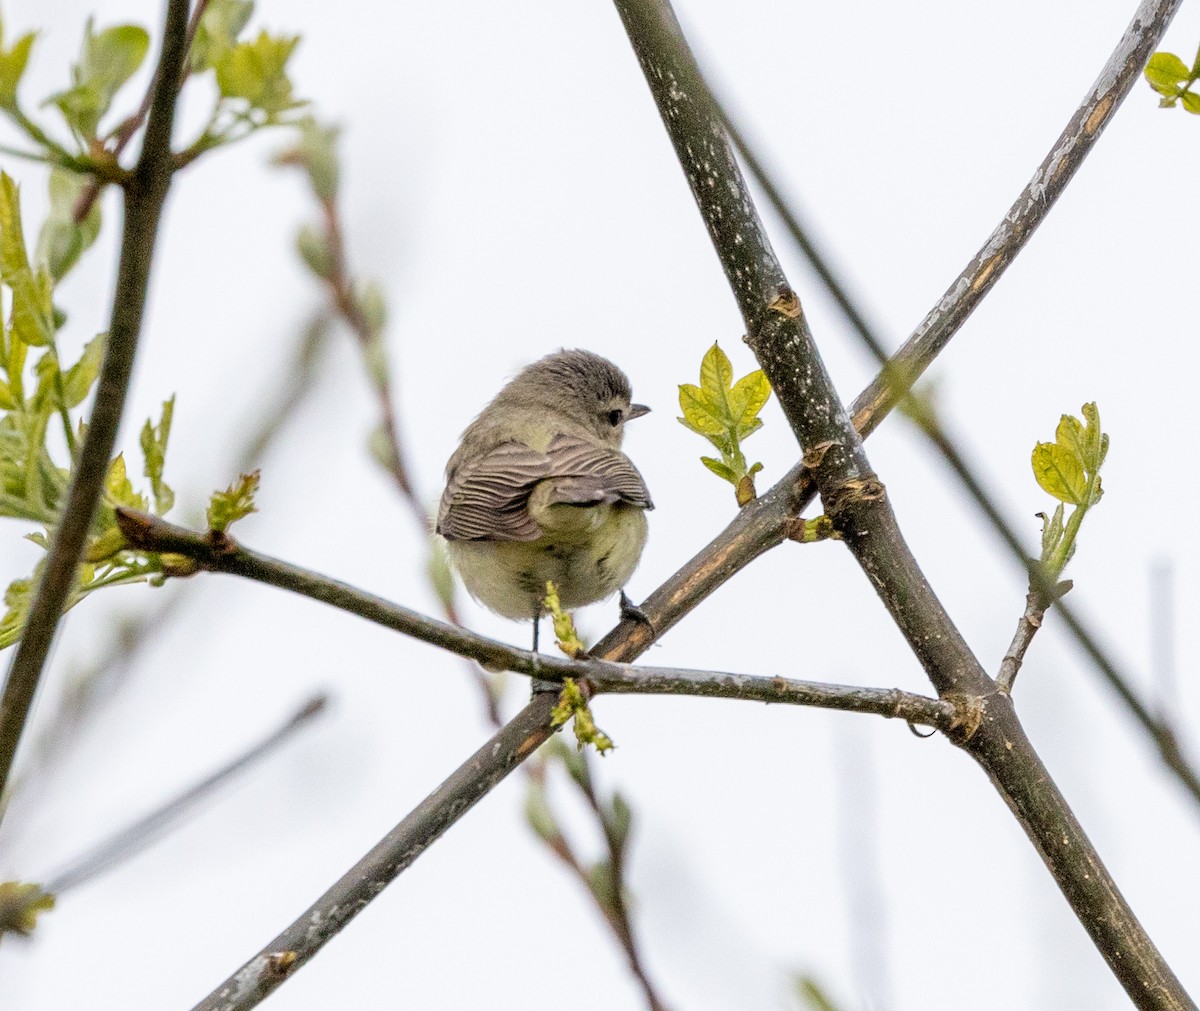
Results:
[857, 503]
[145, 193]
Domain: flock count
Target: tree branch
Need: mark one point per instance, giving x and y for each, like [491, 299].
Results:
[145, 193]
[856, 500]
[222, 554]
[137, 836]
[1065, 157]
[519, 739]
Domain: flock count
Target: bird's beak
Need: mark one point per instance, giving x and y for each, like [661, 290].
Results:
[636, 411]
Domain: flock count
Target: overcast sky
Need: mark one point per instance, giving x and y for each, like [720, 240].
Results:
[509, 183]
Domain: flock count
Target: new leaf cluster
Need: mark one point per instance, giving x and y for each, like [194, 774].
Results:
[1069, 469]
[252, 89]
[1173, 80]
[40, 396]
[726, 413]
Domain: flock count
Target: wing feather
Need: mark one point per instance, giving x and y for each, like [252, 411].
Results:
[487, 498]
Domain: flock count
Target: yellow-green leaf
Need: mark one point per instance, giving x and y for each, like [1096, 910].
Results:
[716, 376]
[20, 904]
[699, 413]
[13, 257]
[721, 470]
[748, 396]
[1060, 472]
[231, 505]
[1164, 70]
[78, 379]
[118, 488]
[1070, 436]
[12, 67]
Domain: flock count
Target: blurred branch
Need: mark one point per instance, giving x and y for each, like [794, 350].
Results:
[604, 882]
[145, 192]
[856, 501]
[131, 840]
[293, 391]
[255, 980]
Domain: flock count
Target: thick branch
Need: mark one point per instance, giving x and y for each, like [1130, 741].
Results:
[145, 192]
[853, 497]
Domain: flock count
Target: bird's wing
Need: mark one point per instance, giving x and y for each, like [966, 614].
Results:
[586, 474]
[487, 498]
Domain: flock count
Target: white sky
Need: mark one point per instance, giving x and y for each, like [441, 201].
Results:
[508, 181]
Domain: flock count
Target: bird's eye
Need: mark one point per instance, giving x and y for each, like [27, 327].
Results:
[615, 418]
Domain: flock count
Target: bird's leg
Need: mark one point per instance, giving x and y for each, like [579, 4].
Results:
[539, 684]
[631, 611]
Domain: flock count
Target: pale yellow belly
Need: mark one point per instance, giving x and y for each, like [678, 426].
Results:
[588, 559]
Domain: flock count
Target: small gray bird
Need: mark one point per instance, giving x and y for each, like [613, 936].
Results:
[539, 490]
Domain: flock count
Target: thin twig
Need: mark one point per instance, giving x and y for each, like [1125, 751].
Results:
[136, 837]
[131, 124]
[856, 501]
[144, 197]
[519, 739]
[1027, 627]
[346, 302]
[1102, 102]
[155, 535]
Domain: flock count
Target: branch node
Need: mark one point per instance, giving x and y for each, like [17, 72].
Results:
[968, 716]
[279, 963]
[849, 492]
[786, 303]
[813, 457]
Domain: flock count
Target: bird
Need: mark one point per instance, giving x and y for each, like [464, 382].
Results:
[539, 491]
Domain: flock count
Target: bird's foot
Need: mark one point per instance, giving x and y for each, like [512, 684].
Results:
[631, 611]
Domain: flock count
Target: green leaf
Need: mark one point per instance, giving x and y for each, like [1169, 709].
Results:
[107, 61]
[32, 307]
[699, 413]
[13, 258]
[619, 821]
[315, 151]
[748, 396]
[256, 72]
[1060, 472]
[538, 813]
[233, 504]
[154, 448]
[12, 68]
[721, 470]
[1052, 531]
[80, 377]
[217, 32]
[813, 995]
[603, 883]
[1191, 102]
[7, 403]
[20, 904]
[16, 600]
[1165, 71]
[62, 241]
[118, 489]
[716, 377]
[313, 247]
[1070, 436]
